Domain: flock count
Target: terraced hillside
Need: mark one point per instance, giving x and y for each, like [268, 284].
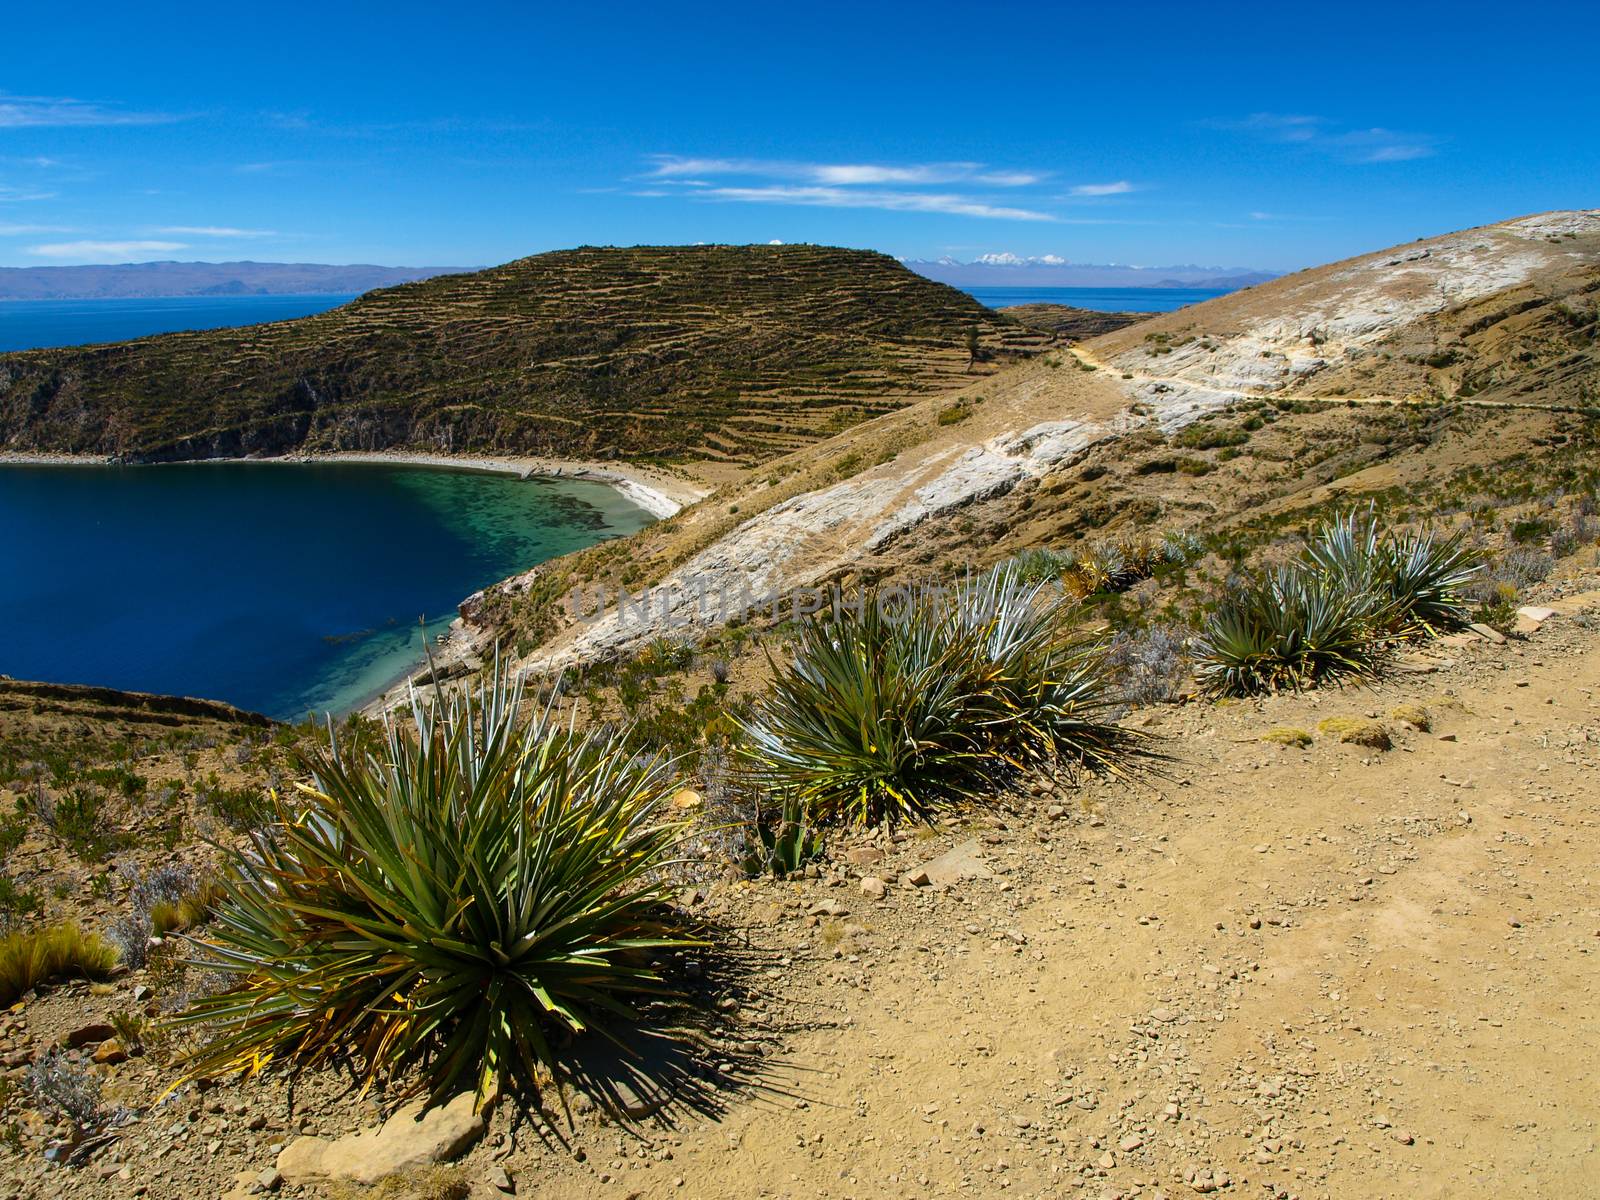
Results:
[1260, 402]
[734, 353]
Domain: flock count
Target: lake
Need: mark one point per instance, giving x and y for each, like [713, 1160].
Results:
[35, 324]
[1099, 299]
[286, 588]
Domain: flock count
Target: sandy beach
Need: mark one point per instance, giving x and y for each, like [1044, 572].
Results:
[657, 492]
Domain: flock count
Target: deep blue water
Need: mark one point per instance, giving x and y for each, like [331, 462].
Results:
[281, 587]
[34, 324]
[1099, 299]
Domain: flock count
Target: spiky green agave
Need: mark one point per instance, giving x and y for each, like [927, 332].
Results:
[462, 904]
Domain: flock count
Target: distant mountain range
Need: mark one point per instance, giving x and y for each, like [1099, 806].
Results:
[152, 279]
[1049, 270]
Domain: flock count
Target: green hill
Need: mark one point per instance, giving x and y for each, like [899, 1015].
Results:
[732, 353]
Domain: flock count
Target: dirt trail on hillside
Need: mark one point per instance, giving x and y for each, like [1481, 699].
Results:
[1330, 971]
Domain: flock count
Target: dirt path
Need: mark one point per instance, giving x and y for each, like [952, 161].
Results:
[1330, 971]
[1333, 971]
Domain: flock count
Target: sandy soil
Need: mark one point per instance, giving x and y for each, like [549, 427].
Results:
[1322, 972]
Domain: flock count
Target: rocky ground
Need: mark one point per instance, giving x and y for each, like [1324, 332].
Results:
[1320, 970]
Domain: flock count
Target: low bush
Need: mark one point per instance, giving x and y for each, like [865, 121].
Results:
[898, 705]
[463, 901]
[62, 1087]
[31, 957]
[1151, 665]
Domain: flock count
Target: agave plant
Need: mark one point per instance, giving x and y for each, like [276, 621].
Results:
[463, 902]
[785, 845]
[886, 714]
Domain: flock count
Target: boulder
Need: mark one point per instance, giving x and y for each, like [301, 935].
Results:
[410, 1139]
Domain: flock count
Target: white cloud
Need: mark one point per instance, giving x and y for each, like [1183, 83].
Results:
[892, 201]
[775, 242]
[8, 229]
[1382, 146]
[1120, 188]
[12, 194]
[1375, 145]
[216, 231]
[103, 251]
[694, 172]
[42, 112]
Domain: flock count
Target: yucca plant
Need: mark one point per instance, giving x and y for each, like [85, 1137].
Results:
[461, 902]
[885, 714]
[1414, 584]
[1290, 631]
[868, 721]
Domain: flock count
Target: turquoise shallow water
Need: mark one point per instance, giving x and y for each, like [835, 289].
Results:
[284, 588]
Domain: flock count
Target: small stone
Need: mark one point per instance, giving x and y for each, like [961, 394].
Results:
[1165, 1015]
[873, 888]
[270, 1180]
[1130, 1143]
[87, 1034]
[110, 1052]
[500, 1181]
[1401, 1136]
[828, 908]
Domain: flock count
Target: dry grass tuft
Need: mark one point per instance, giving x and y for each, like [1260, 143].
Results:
[30, 958]
[1357, 731]
[1286, 735]
[1414, 715]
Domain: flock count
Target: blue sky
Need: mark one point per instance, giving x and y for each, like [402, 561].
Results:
[1272, 136]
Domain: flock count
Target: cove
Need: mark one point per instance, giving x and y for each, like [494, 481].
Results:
[286, 588]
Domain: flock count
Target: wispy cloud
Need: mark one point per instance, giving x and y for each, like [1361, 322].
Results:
[696, 171]
[892, 201]
[12, 229]
[15, 194]
[105, 251]
[263, 168]
[46, 112]
[1374, 145]
[216, 231]
[892, 187]
[1120, 188]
